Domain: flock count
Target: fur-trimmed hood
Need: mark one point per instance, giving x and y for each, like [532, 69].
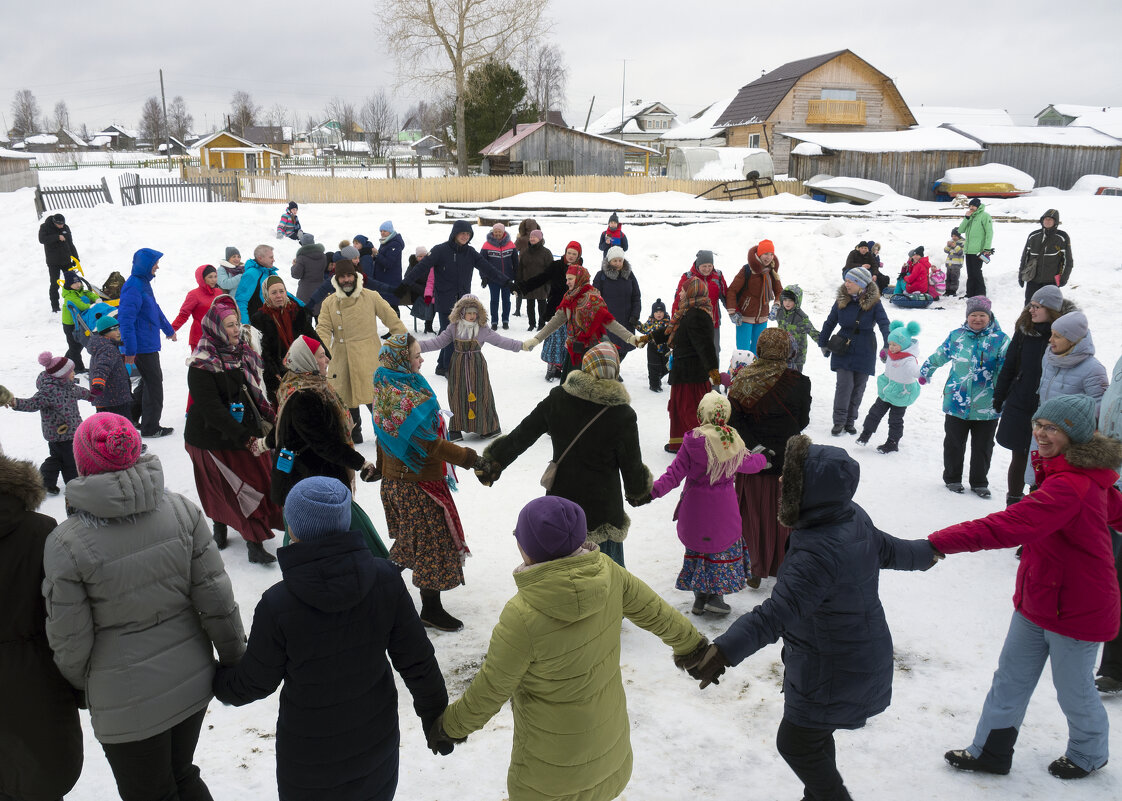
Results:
[868, 297]
[602, 391]
[614, 274]
[463, 304]
[1027, 327]
[1100, 452]
[21, 479]
[819, 482]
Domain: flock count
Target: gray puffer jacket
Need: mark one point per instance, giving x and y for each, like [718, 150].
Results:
[1076, 372]
[136, 594]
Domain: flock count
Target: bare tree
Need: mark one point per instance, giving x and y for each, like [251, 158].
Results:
[545, 73]
[85, 133]
[276, 115]
[62, 116]
[179, 120]
[25, 113]
[243, 112]
[345, 115]
[152, 122]
[379, 121]
[437, 42]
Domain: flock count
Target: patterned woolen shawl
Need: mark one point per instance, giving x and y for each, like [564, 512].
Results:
[304, 375]
[773, 348]
[405, 406]
[585, 310]
[694, 295]
[216, 354]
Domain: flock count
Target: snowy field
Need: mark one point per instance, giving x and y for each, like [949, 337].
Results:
[948, 623]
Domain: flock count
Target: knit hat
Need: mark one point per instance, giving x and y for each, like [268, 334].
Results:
[232, 251]
[106, 322]
[860, 276]
[919, 251]
[1072, 326]
[60, 219]
[349, 252]
[740, 359]
[387, 226]
[574, 245]
[549, 528]
[704, 257]
[1072, 414]
[71, 277]
[657, 306]
[1049, 296]
[307, 239]
[774, 343]
[421, 252]
[601, 361]
[317, 507]
[614, 218]
[861, 244]
[871, 243]
[979, 303]
[1055, 215]
[536, 234]
[208, 269]
[272, 280]
[344, 267]
[614, 252]
[975, 202]
[499, 227]
[105, 443]
[56, 366]
[903, 334]
[765, 246]
[291, 205]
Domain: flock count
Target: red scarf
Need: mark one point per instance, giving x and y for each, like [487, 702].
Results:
[283, 318]
[585, 311]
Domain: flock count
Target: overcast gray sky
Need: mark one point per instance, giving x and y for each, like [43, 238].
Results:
[102, 58]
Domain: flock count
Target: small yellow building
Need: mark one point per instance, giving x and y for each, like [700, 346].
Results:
[226, 151]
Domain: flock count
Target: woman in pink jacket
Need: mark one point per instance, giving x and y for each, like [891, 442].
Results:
[197, 302]
[1066, 600]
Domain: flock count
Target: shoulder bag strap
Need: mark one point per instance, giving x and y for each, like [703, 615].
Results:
[578, 436]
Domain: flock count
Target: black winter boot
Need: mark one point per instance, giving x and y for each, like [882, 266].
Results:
[864, 438]
[699, 601]
[220, 535]
[433, 614]
[890, 446]
[258, 555]
[997, 754]
[356, 432]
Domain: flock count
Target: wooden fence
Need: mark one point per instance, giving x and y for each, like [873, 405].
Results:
[136, 190]
[49, 198]
[155, 163]
[481, 188]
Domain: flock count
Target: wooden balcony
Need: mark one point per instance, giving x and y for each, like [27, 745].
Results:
[835, 112]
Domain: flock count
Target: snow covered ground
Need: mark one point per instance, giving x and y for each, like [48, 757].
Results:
[948, 623]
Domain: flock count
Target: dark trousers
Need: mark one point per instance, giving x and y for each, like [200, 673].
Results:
[357, 430]
[848, 391]
[151, 392]
[499, 293]
[1018, 461]
[74, 349]
[953, 272]
[981, 432]
[518, 305]
[1030, 289]
[445, 357]
[56, 271]
[1111, 664]
[810, 754]
[656, 365]
[895, 419]
[160, 768]
[535, 311]
[124, 409]
[61, 460]
[975, 281]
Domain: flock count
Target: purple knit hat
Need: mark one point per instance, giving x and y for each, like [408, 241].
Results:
[979, 303]
[105, 443]
[550, 527]
[56, 366]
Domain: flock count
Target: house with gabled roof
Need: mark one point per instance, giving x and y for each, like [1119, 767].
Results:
[1061, 114]
[542, 148]
[223, 150]
[836, 91]
[640, 121]
[277, 137]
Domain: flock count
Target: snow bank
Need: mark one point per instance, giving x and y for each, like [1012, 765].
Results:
[989, 174]
[1090, 183]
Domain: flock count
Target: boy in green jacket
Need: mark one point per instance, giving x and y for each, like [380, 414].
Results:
[555, 655]
[75, 291]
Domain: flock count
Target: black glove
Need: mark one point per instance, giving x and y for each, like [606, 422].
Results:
[693, 658]
[936, 555]
[633, 323]
[511, 285]
[370, 472]
[401, 289]
[711, 667]
[826, 353]
[997, 404]
[487, 470]
[438, 740]
[483, 282]
[642, 500]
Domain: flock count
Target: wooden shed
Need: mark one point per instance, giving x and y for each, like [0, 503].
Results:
[1053, 155]
[908, 161]
[226, 151]
[15, 171]
[542, 148]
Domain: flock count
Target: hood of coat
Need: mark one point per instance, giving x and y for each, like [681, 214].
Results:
[108, 496]
[570, 588]
[528, 225]
[230, 268]
[210, 290]
[330, 574]
[1030, 329]
[613, 273]
[1054, 214]
[21, 480]
[757, 266]
[459, 227]
[500, 241]
[307, 250]
[601, 391]
[795, 292]
[1081, 351]
[1100, 453]
[868, 297]
[819, 482]
[143, 261]
[463, 304]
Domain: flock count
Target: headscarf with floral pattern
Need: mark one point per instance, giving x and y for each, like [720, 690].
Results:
[723, 444]
[405, 406]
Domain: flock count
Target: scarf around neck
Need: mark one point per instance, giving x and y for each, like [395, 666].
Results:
[216, 354]
[284, 317]
[695, 295]
[585, 310]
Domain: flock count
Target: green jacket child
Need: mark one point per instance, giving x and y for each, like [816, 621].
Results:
[792, 319]
[82, 297]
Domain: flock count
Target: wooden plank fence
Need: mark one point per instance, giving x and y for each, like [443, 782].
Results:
[136, 190]
[49, 198]
[155, 163]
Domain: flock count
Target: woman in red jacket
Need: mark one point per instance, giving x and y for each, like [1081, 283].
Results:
[1066, 600]
[197, 303]
[703, 270]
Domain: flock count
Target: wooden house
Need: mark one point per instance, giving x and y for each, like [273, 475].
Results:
[178, 148]
[41, 143]
[836, 91]
[640, 122]
[226, 151]
[1063, 114]
[277, 137]
[429, 146]
[542, 148]
[120, 137]
[15, 171]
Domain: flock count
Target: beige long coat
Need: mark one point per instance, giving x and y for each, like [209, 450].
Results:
[348, 325]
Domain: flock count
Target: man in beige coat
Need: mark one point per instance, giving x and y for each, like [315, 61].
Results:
[348, 325]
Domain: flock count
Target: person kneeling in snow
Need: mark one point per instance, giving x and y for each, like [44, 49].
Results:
[837, 649]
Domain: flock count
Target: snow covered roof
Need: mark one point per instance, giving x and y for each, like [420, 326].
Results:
[42, 139]
[912, 140]
[73, 138]
[1070, 135]
[11, 154]
[992, 173]
[934, 116]
[1109, 121]
[129, 132]
[703, 125]
[509, 138]
[1072, 110]
[100, 140]
[611, 119]
[806, 149]
[351, 146]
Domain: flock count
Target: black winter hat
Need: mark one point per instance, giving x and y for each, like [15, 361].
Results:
[975, 202]
[657, 306]
[954, 232]
[60, 219]
[292, 205]
[788, 294]
[919, 251]
[614, 218]
[71, 277]
[863, 244]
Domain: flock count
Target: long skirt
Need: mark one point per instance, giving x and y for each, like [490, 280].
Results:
[234, 487]
[714, 573]
[553, 349]
[765, 538]
[427, 535]
[684, 399]
[470, 396]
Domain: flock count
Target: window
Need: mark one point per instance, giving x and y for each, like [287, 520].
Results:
[753, 140]
[839, 94]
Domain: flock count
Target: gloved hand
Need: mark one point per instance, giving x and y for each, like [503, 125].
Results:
[642, 500]
[633, 323]
[438, 740]
[6, 397]
[826, 352]
[511, 285]
[922, 381]
[935, 555]
[637, 341]
[767, 452]
[884, 354]
[483, 282]
[370, 472]
[736, 317]
[1020, 283]
[280, 235]
[997, 404]
[487, 470]
[711, 667]
[531, 343]
[715, 377]
[401, 289]
[693, 658]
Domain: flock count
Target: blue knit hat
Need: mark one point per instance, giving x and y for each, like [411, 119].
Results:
[903, 334]
[859, 276]
[318, 507]
[387, 226]
[106, 322]
[1072, 414]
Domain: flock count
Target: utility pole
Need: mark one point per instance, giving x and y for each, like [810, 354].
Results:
[167, 130]
[623, 99]
[589, 116]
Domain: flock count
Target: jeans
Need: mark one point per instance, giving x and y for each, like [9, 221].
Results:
[61, 460]
[498, 292]
[747, 334]
[975, 281]
[151, 392]
[981, 434]
[848, 391]
[810, 754]
[876, 414]
[1027, 647]
[161, 767]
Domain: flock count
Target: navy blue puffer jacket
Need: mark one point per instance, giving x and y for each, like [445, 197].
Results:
[454, 264]
[862, 354]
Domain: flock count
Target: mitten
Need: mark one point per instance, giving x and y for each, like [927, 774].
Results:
[997, 404]
[487, 470]
[884, 354]
[936, 555]
[711, 667]
[642, 500]
[826, 353]
[715, 377]
[438, 740]
[1020, 283]
[401, 289]
[5, 396]
[530, 343]
[633, 323]
[280, 235]
[922, 381]
[370, 472]
[693, 658]
[736, 317]
[637, 341]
